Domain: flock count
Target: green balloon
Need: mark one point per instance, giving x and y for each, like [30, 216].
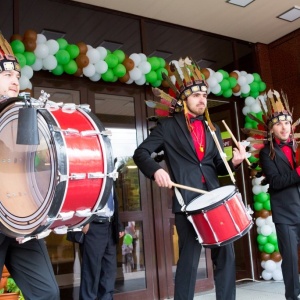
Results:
[245, 95]
[70, 67]
[127, 240]
[224, 73]
[254, 86]
[17, 46]
[30, 58]
[272, 238]
[159, 73]
[248, 125]
[258, 206]
[151, 76]
[269, 248]
[156, 83]
[154, 62]
[73, 50]
[120, 55]
[262, 197]
[108, 76]
[21, 59]
[232, 81]
[259, 115]
[262, 86]
[253, 159]
[256, 77]
[261, 248]
[119, 70]
[62, 43]
[111, 60]
[220, 93]
[267, 205]
[62, 57]
[162, 62]
[225, 84]
[58, 70]
[261, 239]
[227, 93]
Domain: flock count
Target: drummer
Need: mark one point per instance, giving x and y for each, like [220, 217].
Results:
[28, 263]
[193, 160]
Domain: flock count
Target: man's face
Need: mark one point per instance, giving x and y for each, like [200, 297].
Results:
[9, 83]
[282, 130]
[196, 103]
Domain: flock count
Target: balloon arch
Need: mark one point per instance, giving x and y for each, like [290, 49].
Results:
[34, 53]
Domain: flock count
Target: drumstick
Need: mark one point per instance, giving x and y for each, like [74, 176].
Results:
[235, 141]
[189, 188]
[222, 154]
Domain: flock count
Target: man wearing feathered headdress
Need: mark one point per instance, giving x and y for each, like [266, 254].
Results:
[28, 263]
[282, 174]
[193, 160]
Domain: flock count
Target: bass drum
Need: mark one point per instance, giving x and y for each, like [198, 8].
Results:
[59, 184]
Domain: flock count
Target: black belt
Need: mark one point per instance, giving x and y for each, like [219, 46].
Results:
[99, 219]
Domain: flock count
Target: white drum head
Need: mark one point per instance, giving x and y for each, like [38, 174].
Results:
[213, 197]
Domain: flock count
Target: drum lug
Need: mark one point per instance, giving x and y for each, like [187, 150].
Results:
[95, 175]
[114, 175]
[89, 132]
[22, 240]
[85, 107]
[106, 133]
[66, 215]
[61, 230]
[83, 213]
[62, 178]
[77, 176]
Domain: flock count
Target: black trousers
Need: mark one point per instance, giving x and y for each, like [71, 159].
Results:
[30, 266]
[288, 241]
[99, 263]
[189, 253]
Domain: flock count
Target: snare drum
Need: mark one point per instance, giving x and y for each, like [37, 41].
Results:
[59, 184]
[219, 217]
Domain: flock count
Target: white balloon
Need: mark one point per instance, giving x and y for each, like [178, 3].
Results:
[27, 71]
[93, 55]
[266, 275]
[263, 263]
[101, 66]
[23, 81]
[249, 78]
[135, 74]
[255, 108]
[102, 51]
[269, 220]
[256, 189]
[136, 58]
[89, 70]
[265, 188]
[260, 222]
[95, 77]
[29, 86]
[50, 62]
[245, 89]
[237, 94]
[143, 57]
[243, 73]
[212, 82]
[216, 89]
[211, 72]
[141, 80]
[40, 39]
[38, 64]
[242, 80]
[258, 230]
[218, 76]
[246, 110]
[129, 81]
[249, 101]
[53, 46]
[278, 265]
[270, 265]
[145, 67]
[237, 72]
[41, 51]
[277, 275]
[266, 230]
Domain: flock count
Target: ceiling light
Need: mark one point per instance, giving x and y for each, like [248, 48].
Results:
[291, 14]
[242, 3]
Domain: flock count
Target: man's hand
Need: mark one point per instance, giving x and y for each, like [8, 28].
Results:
[162, 178]
[85, 229]
[239, 154]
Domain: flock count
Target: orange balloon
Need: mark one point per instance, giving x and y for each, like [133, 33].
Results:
[275, 256]
[82, 47]
[265, 256]
[205, 72]
[82, 61]
[125, 78]
[128, 63]
[236, 89]
[30, 44]
[78, 73]
[234, 75]
[30, 34]
[16, 36]
[263, 213]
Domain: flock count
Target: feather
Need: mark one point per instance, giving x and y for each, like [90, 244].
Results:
[170, 83]
[153, 104]
[249, 131]
[252, 117]
[177, 76]
[285, 100]
[5, 46]
[161, 94]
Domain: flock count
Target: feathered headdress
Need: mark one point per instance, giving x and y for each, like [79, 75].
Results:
[188, 80]
[274, 110]
[8, 61]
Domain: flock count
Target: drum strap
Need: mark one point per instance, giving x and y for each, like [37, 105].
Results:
[180, 199]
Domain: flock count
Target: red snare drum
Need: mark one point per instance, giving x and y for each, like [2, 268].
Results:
[59, 184]
[219, 217]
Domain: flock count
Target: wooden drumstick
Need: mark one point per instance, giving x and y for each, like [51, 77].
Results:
[222, 154]
[235, 141]
[189, 188]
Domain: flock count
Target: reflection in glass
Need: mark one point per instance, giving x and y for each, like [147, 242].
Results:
[130, 258]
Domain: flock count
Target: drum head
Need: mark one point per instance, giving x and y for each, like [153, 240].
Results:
[211, 199]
